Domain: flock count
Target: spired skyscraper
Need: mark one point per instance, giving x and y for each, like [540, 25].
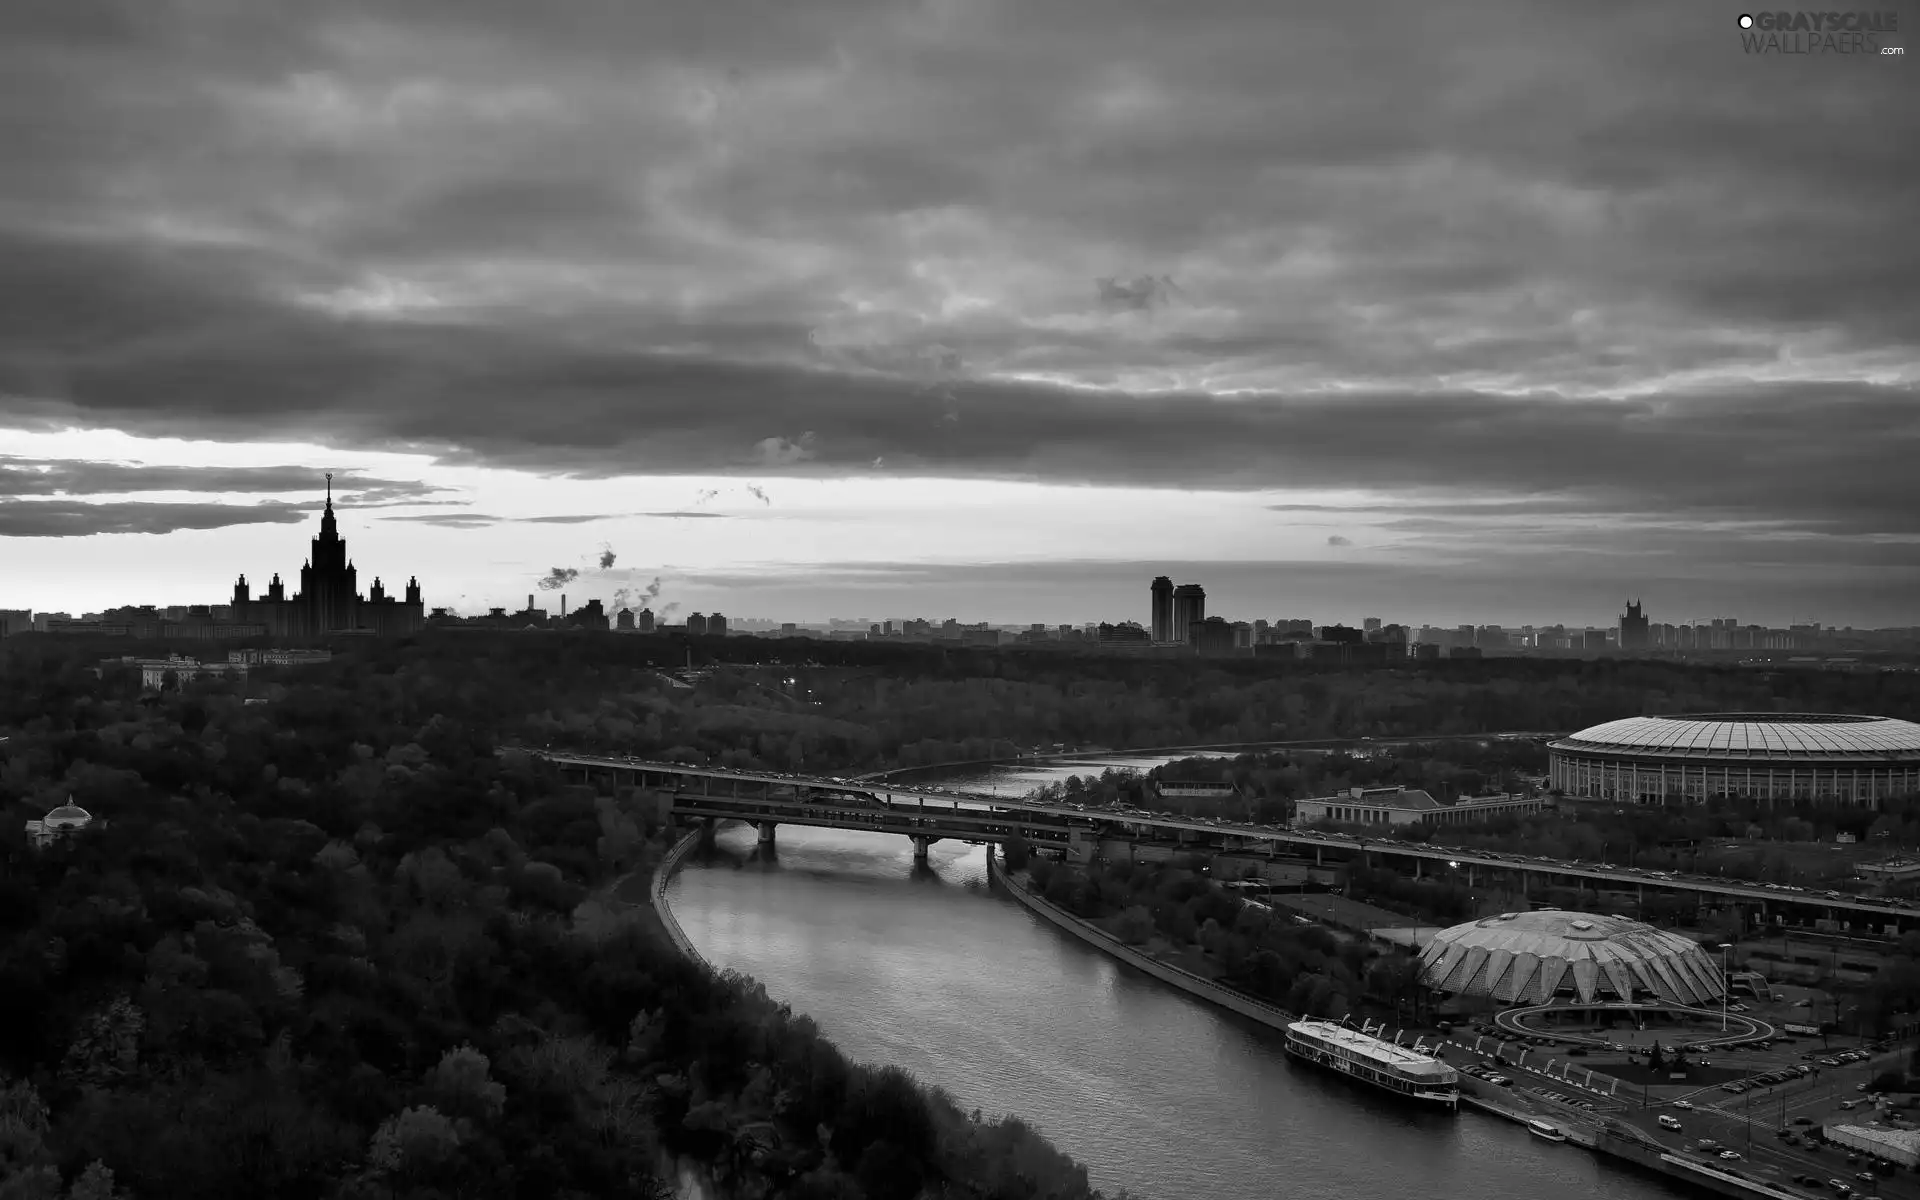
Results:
[329, 599]
[1633, 628]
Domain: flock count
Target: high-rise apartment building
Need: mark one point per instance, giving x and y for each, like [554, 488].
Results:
[1189, 609]
[1162, 622]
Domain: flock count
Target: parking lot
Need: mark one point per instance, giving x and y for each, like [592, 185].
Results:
[1755, 1110]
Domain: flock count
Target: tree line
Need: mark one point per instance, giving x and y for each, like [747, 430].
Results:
[1249, 947]
[878, 706]
[337, 946]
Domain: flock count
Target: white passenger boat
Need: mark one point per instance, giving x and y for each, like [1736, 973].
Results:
[1372, 1060]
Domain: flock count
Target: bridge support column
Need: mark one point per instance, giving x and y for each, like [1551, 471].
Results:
[920, 844]
[766, 831]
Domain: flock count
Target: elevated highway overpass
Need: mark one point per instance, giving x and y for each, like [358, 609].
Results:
[928, 814]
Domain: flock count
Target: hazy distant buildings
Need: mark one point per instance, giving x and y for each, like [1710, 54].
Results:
[1163, 610]
[717, 625]
[623, 620]
[646, 620]
[591, 615]
[1212, 637]
[329, 599]
[697, 623]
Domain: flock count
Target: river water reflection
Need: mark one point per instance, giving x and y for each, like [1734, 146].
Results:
[931, 969]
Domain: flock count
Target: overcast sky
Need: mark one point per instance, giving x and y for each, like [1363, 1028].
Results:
[1493, 311]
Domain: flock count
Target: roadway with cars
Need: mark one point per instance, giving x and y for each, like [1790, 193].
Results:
[1750, 1123]
[1221, 834]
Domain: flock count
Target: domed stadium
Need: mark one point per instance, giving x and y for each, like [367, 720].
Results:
[1831, 757]
[1538, 957]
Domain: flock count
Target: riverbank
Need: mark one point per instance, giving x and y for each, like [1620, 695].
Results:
[1597, 1137]
[657, 897]
[1270, 1015]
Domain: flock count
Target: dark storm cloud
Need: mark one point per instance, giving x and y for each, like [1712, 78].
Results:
[65, 518]
[74, 477]
[1137, 294]
[1596, 255]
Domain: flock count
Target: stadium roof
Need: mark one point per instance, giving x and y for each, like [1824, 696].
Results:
[1528, 957]
[1789, 737]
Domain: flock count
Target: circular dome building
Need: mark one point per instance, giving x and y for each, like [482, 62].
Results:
[1832, 757]
[68, 816]
[1538, 957]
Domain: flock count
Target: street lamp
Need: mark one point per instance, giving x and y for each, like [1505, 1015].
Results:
[1724, 947]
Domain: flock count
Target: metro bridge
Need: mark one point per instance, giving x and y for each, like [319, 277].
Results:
[769, 799]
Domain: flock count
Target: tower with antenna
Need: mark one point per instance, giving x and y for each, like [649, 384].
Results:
[329, 599]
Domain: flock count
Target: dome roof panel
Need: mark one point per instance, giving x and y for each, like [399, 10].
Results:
[1531, 955]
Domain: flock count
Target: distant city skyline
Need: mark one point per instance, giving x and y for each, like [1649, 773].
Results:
[965, 309]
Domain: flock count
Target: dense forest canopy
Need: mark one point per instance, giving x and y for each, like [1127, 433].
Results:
[334, 943]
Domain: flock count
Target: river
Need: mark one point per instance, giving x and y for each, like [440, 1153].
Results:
[1157, 1093]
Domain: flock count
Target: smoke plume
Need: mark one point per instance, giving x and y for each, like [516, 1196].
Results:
[759, 495]
[558, 578]
[606, 557]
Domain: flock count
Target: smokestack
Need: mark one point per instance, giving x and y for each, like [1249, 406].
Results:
[529, 601]
[563, 604]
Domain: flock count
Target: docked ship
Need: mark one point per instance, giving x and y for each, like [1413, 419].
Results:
[1375, 1061]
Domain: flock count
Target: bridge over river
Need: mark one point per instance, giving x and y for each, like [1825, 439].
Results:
[927, 814]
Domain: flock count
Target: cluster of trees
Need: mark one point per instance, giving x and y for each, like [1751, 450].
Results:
[877, 706]
[1251, 948]
[1433, 899]
[337, 945]
[1267, 782]
[1737, 839]
[1890, 999]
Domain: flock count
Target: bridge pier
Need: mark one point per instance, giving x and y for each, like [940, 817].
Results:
[920, 844]
[766, 831]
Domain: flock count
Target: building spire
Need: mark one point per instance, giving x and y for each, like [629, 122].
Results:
[329, 489]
